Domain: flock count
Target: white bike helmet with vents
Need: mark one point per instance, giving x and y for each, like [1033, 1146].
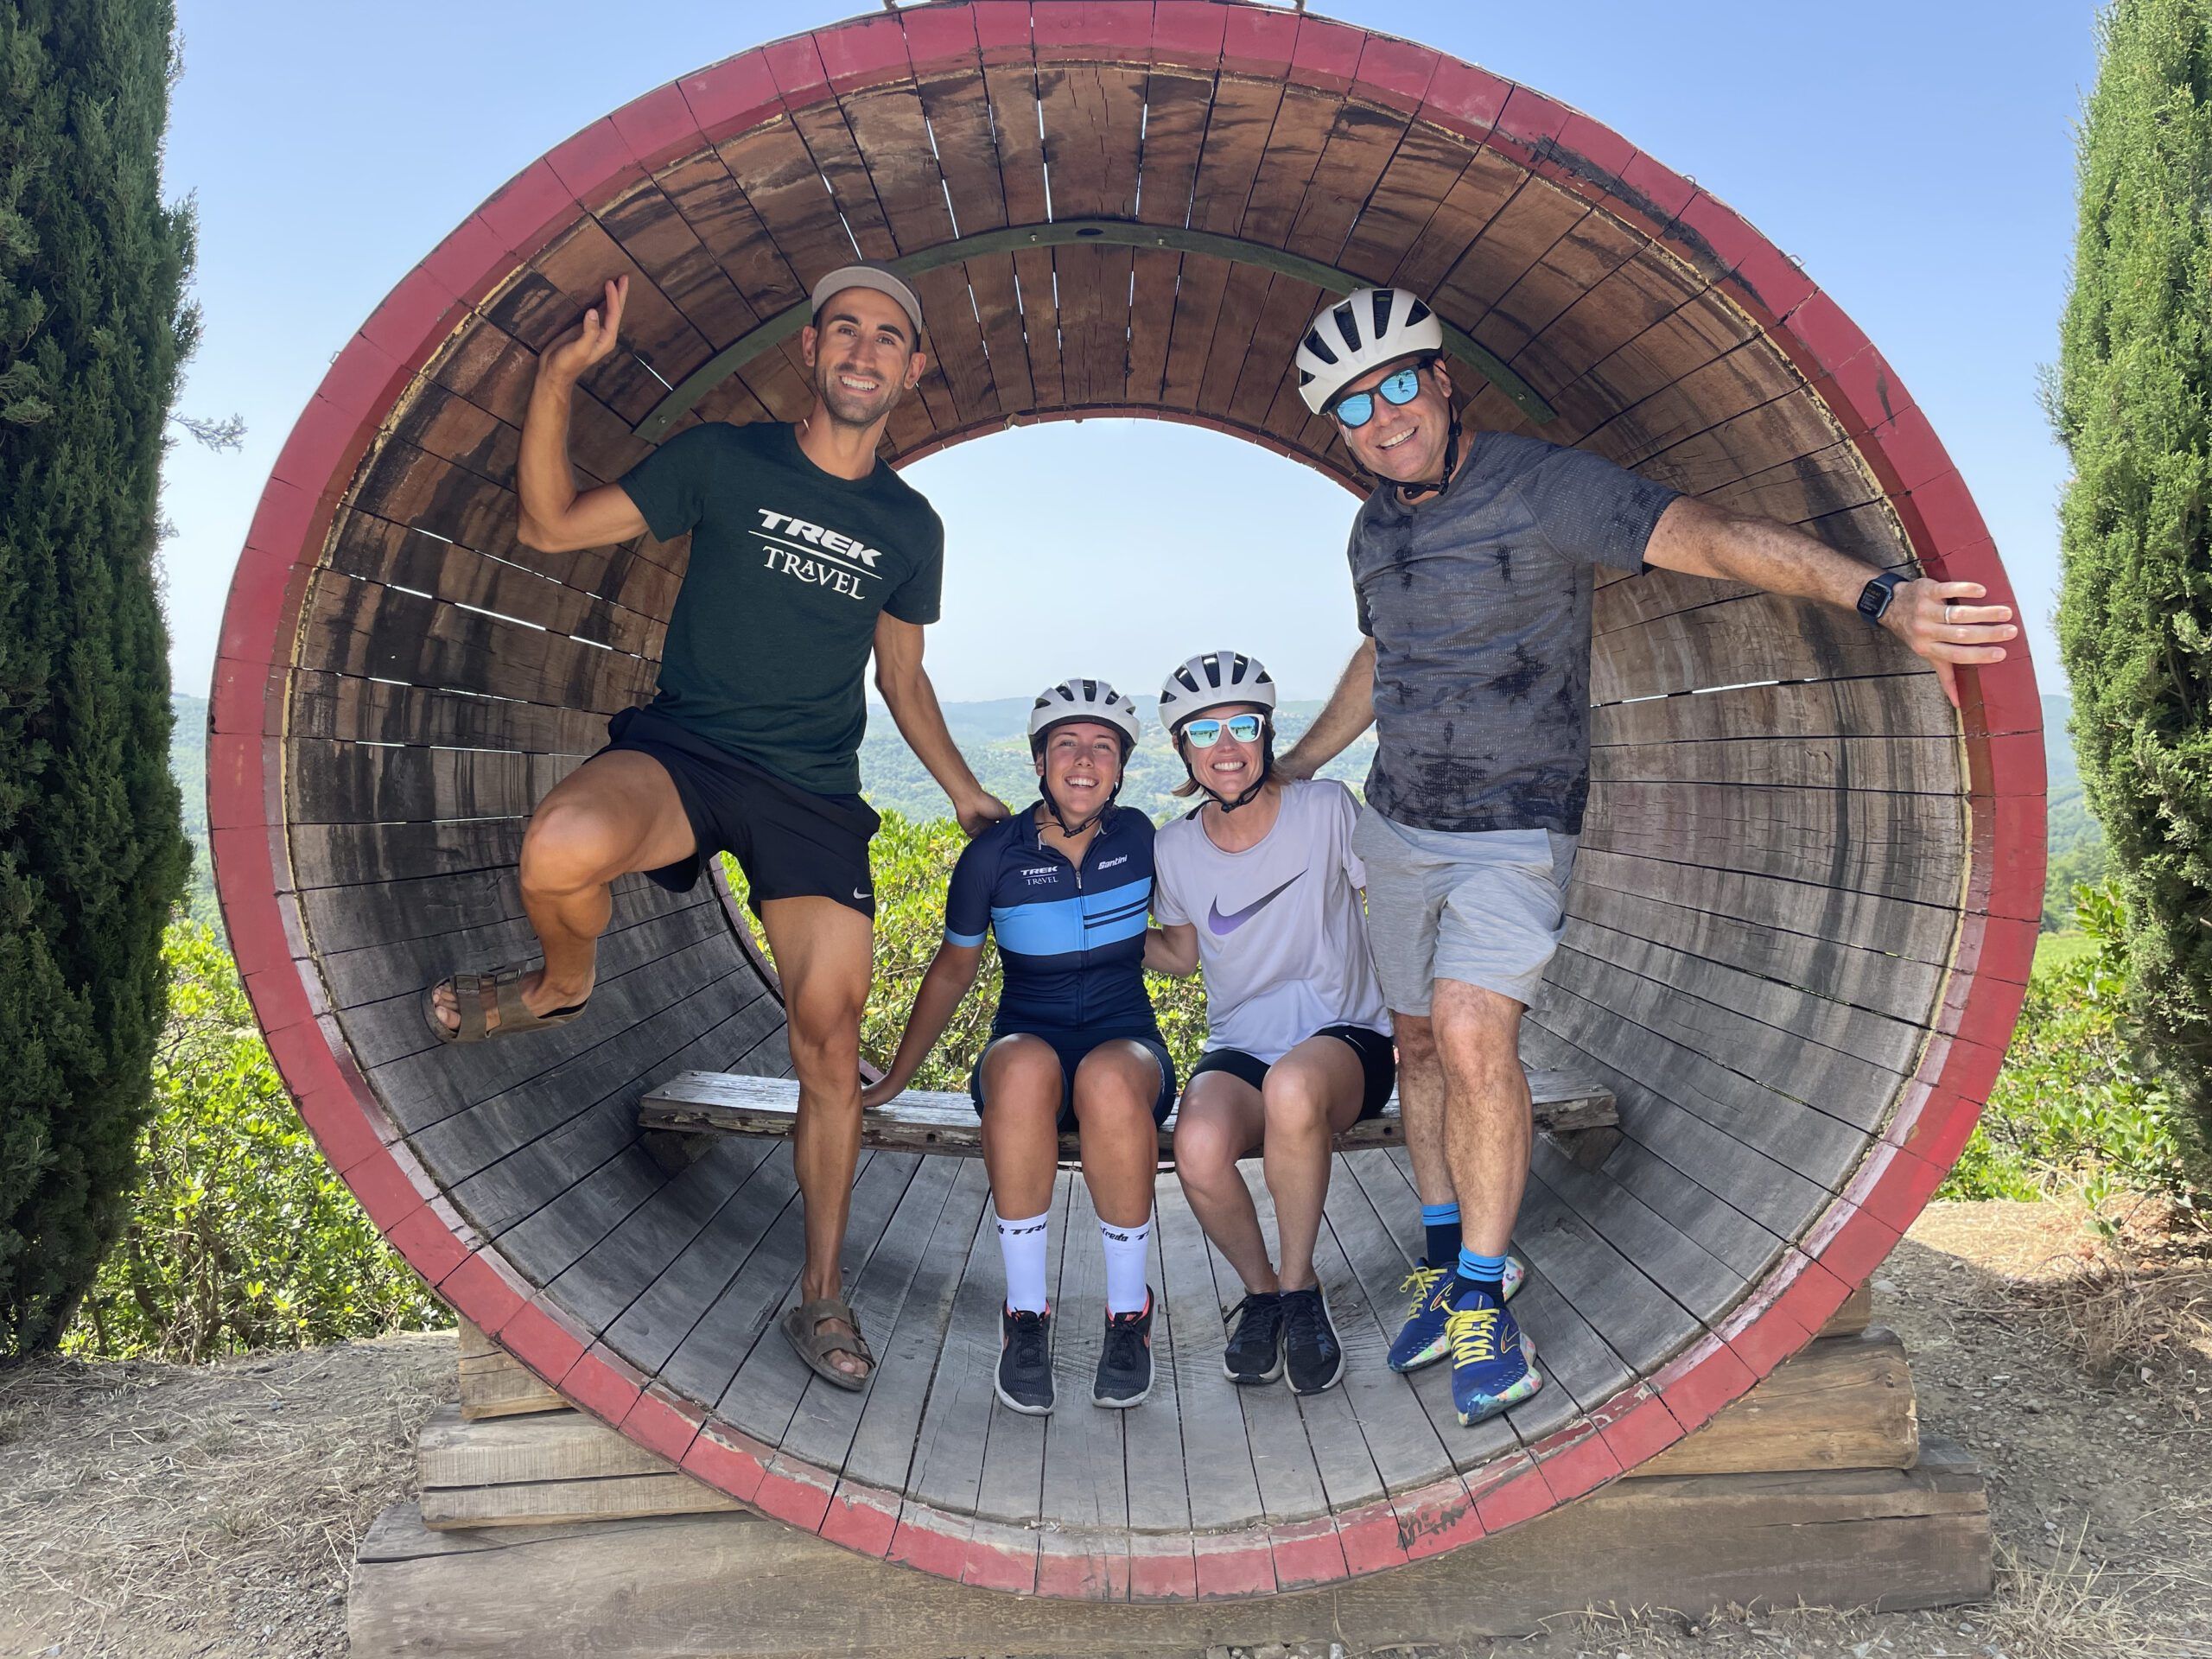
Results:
[1072, 700]
[1210, 681]
[1367, 328]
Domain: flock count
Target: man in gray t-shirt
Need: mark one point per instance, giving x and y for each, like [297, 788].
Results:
[1472, 563]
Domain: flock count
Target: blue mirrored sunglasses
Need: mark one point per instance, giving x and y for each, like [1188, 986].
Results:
[1204, 733]
[1401, 389]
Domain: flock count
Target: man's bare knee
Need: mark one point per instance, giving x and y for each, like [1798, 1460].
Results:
[569, 848]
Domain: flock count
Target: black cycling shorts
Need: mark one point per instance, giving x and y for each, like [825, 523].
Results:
[1378, 1061]
[1070, 1050]
[791, 842]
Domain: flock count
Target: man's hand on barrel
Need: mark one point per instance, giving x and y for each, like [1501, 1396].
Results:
[1940, 622]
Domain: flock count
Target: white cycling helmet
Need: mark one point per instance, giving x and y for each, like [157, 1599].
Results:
[1368, 327]
[1210, 681]
[1072, 700]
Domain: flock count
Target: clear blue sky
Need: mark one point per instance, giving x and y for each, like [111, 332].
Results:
[1917, 158]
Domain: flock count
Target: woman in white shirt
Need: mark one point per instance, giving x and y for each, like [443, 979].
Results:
[1260, 888]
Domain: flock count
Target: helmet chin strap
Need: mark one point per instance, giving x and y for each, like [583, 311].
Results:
[1415, 491]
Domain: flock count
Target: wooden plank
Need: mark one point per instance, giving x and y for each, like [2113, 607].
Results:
[822, 1427]
[925, 1121]
[1011, 1485]
[1232, 1477]
[881, 1449]
[568, 1502]
[493, 1383]
[663, 1314]
[1309, 1452]
[600, 1286]
[766, 1387]
[948, 1442]
[1908, 847]
[1085, 1484]
[1844, 1402]
[370, 630]
[325, 705]
[754, 1297]
[1392, 1213]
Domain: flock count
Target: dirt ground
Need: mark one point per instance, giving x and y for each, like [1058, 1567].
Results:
[153, 1511]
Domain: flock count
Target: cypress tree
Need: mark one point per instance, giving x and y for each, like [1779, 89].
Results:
[2132, 403]
[92, 328]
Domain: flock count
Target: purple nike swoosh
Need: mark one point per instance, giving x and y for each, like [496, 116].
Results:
[1222, 926]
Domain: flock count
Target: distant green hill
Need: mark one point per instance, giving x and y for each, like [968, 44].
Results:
[188, 766]
[2075, 839]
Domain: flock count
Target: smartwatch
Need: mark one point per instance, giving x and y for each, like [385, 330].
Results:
[1874, 598]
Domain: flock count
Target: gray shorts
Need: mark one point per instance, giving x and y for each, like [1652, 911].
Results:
[1486, 907]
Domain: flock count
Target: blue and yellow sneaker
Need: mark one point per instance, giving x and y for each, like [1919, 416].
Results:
[1493, 1365]
[1420, 1340]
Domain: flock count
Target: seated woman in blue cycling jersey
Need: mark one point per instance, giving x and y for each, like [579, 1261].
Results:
[1261, 888]
[1065, 886]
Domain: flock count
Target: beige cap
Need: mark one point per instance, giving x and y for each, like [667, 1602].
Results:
[868, 274]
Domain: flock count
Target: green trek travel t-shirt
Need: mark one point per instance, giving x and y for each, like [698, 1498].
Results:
[776, 617]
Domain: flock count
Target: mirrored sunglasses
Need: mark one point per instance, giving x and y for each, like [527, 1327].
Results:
[1401, 389]
[1204, 733]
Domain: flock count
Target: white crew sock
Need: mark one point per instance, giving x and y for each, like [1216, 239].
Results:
[1125, 1250]
[1021, 1247]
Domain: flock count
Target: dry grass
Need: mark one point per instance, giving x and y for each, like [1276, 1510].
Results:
[2141, 1304]
[146, 1498]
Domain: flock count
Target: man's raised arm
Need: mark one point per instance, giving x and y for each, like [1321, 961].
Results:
[1930, 616]
[1350, 711]
[556, 518]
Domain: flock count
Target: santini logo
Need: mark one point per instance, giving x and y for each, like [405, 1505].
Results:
[1111, 862]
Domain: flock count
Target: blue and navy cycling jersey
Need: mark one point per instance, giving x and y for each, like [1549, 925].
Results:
[1070, 940]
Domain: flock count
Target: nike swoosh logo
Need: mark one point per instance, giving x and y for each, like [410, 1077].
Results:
[1222, 926]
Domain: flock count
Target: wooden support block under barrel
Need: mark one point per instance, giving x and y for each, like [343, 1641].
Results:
[736, 1586]
[494, 1383]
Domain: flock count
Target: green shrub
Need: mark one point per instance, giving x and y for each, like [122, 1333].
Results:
[241, 1237]
[2073, 1110]
[2131, 401]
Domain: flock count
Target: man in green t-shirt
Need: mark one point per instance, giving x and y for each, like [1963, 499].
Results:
[806, 555]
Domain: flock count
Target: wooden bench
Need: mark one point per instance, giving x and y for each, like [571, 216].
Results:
[718, 1103]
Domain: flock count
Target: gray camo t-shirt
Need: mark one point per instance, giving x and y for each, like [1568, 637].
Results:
[1478, 603]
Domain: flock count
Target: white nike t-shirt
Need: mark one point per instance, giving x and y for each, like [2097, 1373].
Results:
[1282, 935]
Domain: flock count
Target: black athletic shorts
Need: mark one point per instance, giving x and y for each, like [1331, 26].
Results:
[1071, 1051]
[1378, 1060]
[791, 842]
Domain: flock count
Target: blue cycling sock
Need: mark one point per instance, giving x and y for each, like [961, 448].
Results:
[1441, 1223]
[1483, 1273]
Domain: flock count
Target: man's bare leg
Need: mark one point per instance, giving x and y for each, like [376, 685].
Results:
[1487, 1120]
[822, 951]
[1421, 1105]
[615, 814]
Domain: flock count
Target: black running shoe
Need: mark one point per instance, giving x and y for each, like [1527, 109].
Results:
[1125, 1368]
[1254, 1350]
[1315, 1357]
[1025, 1379]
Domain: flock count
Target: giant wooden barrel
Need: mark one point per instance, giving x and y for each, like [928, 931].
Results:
[1803, 915]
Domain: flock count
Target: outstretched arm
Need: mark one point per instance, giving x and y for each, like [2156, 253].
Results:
[912, 702]
[949, 976]
[1350, 711]
[1172, 950]
[1701, 540]
[556, 518]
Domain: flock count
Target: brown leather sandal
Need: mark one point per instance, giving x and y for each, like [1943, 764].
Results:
[477, 996]
[814, 1345]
